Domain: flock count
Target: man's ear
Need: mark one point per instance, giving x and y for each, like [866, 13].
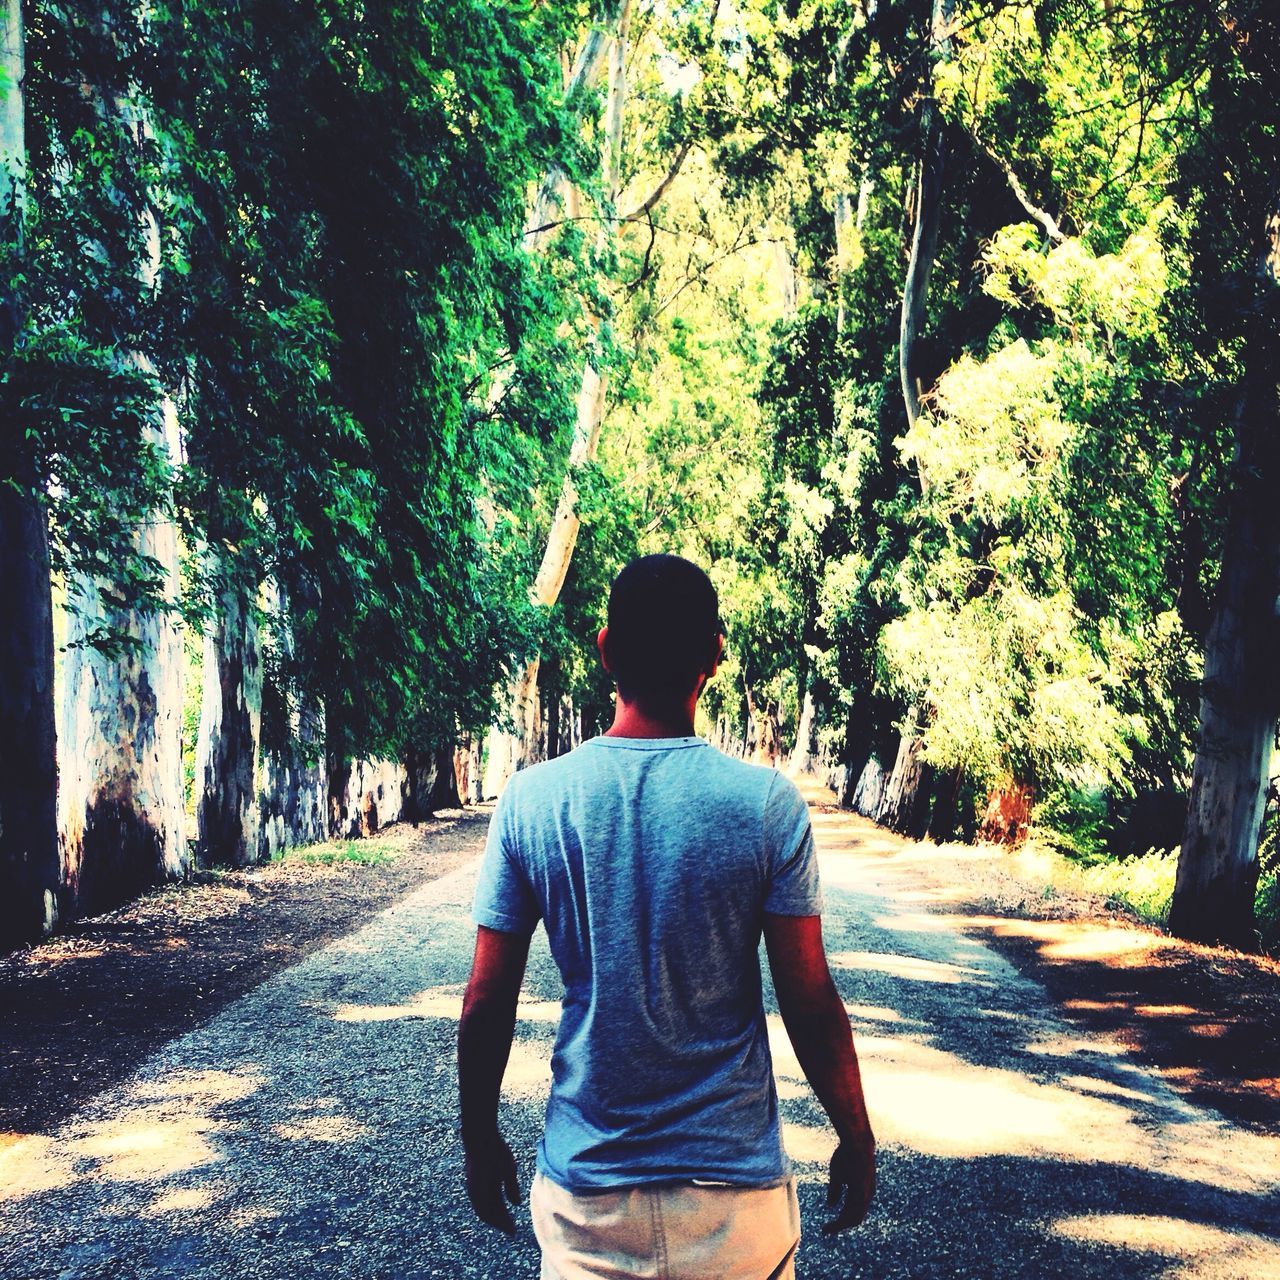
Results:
[602, 638]
[718, 658]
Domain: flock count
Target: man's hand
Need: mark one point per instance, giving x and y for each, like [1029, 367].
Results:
[853, 1180]
[492, 1181]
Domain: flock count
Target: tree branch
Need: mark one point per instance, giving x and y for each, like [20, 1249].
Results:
[661, 189]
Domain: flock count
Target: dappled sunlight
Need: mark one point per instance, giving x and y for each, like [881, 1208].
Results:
[440, 1002]
[327, 1128]
[1072, 939]
[184, 1200]
[914, 968]
[528, 1074]
[808, 1144]
[937, 1103]
[1204, 1248]
[874, 1013]
[912, 922]
[148, 1143]
[33, 1164]
[205, 1087]
[170, 1132]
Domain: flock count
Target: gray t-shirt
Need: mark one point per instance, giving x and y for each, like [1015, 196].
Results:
[652, 863]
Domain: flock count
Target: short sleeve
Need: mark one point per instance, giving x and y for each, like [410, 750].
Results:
[791, 859]
[504, 898]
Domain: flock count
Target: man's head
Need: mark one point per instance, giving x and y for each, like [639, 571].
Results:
[664, 634]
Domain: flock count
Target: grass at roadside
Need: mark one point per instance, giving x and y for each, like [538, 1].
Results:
[1143, 884]
[371, 852]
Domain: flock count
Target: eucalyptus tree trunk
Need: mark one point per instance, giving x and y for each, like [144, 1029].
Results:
[904, 804]
[230, 722]
[120, 781]
[948, 787]
[292, 780]
[927, 215]
[868, 790]
[512, 748]
[292, 802]
[1007, 817]
[120, 801]
[805, 751]
[30, 870]
[1213, 897]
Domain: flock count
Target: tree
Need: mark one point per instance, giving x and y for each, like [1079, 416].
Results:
[120, 795]
[1228, 179]
[29, 863]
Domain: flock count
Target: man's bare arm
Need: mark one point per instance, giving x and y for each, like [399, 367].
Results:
[816, 1021]
[485, 1032]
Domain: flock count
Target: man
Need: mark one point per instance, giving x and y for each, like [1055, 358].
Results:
[656, 862]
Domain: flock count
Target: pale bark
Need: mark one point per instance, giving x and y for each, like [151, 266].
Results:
[230, 722]
[477, 770]
[926, 220]
[806, 747]
[764, 733]
[555, 196]
[30, 870]
[293, 799]
[868, 792]
[364, 796]
[120, 797]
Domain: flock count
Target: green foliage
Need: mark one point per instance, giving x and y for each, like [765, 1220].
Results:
[370, 852]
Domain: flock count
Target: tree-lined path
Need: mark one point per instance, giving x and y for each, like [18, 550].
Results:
[309, 1128]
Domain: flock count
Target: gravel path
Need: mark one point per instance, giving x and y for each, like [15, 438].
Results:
[308, 1129]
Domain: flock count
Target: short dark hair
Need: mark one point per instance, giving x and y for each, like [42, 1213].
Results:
[664, 620]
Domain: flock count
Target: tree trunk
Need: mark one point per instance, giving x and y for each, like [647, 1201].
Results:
[293, 787]
[30, 870]
[553, 725]
[926, 220]
[805, 751]
[1213, 897]
[946, 805]
[1007, 818]
[444, 786]
[905, 805]
[365, 796]
[121, 813]
[867, 789]
[230, 718]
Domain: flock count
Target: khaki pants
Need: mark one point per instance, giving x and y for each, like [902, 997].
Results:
[668, 1231]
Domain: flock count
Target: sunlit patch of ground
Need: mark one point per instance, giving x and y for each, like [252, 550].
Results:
[440, 1002]
[914, 968]
[185, 1200]
[1206, 1250]
[1072, 939]
[170, 1131]
[322, 1129]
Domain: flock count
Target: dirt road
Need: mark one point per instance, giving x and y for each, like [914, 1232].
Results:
[309, 1128]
